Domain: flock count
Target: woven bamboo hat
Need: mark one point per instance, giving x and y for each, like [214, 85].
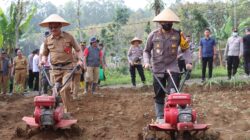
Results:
[54, 18]
[136, 39]
[167, 15]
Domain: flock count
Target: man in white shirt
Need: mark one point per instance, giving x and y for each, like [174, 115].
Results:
[233, 53]
[36, 69]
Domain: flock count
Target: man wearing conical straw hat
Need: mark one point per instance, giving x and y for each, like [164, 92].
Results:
[161, 52]
[59, 45]
[134, 58]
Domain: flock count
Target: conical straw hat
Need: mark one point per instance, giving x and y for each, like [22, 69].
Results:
[136, 39]
[54, 18]
[166, 15]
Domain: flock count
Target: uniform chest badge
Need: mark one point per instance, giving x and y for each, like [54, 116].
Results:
[158, 51]
[174, 38]
[174, 45]
[67, 50]
[158, 45]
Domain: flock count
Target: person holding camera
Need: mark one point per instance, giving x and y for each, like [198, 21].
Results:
[135, 54]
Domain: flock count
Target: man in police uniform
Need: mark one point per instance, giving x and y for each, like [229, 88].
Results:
[233, 53]
[20, 71]
[59, 45]
[161, 48]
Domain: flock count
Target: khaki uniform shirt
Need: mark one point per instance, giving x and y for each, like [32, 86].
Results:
[20, 63]
[60, 48]
[162, 49]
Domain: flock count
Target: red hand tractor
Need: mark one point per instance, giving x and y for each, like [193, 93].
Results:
[49, 110]
[179, 116]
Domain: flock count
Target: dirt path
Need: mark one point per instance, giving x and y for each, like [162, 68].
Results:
[122, 113]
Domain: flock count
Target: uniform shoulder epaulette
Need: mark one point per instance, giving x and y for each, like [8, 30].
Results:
[176, 30]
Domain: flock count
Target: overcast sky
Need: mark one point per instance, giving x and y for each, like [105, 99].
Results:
[133, 4]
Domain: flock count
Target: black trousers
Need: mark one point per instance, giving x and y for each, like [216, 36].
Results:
[159, 92]
[133, 73]
[36, 77]
[207, 61]
[232, 65]
[247, 63]
[31, 79]
[182, 65]
[45, 82]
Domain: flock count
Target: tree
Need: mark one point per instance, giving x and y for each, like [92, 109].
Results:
[14, 26]
[147, 28]
[121, 15]
[157, 6]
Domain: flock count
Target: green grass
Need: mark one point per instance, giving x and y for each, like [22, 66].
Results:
[121, 75]
[118, 77]
[217, 72]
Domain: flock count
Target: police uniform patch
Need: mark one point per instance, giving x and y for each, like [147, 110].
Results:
[158, 45]
[174, 45]
[174, 38]
[158, 51]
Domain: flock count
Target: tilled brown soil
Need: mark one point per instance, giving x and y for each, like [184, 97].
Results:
[122, 113]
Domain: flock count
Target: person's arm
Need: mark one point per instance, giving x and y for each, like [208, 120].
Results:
[200, 49]
[10, 67]
[214, 49]
[78, 51]
[85, 55]
[101, 59]
[27, 66]
[13, 68]
[241, 48]
[129, 55]
[45, 53]
[187, 55]
[226, 49]
[147, 51]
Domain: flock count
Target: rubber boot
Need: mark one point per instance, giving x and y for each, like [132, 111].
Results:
[82, 84]
[159, 111]
[86, 88]
[93, 88]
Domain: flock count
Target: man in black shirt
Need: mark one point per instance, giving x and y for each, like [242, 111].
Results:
[246, 51]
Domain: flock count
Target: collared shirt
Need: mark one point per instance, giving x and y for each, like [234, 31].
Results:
[234, 46]
[30, 59]
[207, 46]
[161, 49]
[20, 63]
[135, 53]
[36, 63]
[60, 48]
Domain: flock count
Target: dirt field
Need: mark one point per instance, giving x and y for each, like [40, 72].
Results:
[122, 113]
